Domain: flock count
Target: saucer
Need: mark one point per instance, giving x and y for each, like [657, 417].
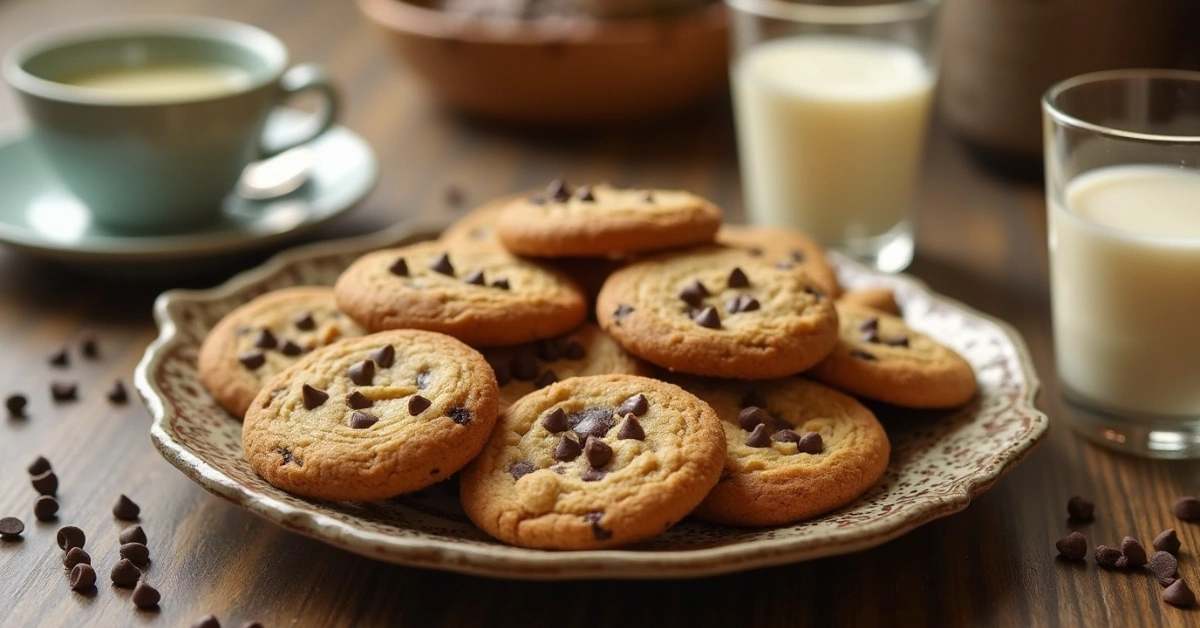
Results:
[41, 217]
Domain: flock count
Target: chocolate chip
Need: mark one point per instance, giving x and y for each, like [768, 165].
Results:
[503, 374]
[750, 418]
[83, 577]
[45, 508]
[785, 436]
[1107, 556]
[15, 403]
[871, 323]
[584, 193]
[636, 405]
[362, 420]
[501, 283]
[304, 321]
[39, 466]
[814, 292]
[631, 429]
[252, 360]
[288, 456]
[521, 469]
[90, 348]
[132, 534]
[743, 303]
[145, 596]
[136, 553]
[117, 394]
[1073, 547]
[547, 351]
[1133, 551]
[1187, 508]
[759, 437]
[11, 527]
[70, 536]
[622, 311]
[418, 404]
[595, 421]
[592, 475]
[810, 443]
[290, 348]
[45, 483]
[60, 358]
[599, 532]
[573, 350]
[1167, 541]
[64, 391]
[558, 190]
[870, 335]
[442, 265]
[863, 355]
[362, 373]
[1166, 582]
[709, 318]
[897, 341]
[475, 278]
[76, 556]
[460, 415]
[753, 398]
[567, 449]
[1164, 565]
[357, 401]
[124, 574]
[545, 379]
[694, 293]
[1080, 509]
[313, 397]
[524, 367]
[252, 624]
[797, 256]
[737, 279]
[125, 509]
[1178, 594]
[556, 421]
[597, 452]
[266, 340]
[399, 267]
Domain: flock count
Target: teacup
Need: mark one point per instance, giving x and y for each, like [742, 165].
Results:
[150, 121]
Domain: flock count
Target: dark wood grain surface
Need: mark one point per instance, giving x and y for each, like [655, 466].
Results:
[980, 239]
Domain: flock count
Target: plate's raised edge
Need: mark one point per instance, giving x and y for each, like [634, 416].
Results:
[514, 563]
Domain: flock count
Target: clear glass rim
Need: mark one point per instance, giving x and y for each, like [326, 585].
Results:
[1063, 118]
[899, 11]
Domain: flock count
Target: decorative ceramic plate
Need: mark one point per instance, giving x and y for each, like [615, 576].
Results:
[940, 460]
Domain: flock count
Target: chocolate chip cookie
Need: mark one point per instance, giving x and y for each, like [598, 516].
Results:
[481, 295]
[879, 357]
[261, 338]
[882, 299]
[601, 220]
[785, 248]
[715, 311]
[478, 226]
[372, 417]
[594, 462]
[796, 449]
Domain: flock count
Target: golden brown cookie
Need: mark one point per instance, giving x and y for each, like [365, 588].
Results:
[372, 417]
[594, 462]
[481, 295]
[882, 299]
[796, 449]
[600, 220]
[717, 312]
[261, 338]
[478, 226]
[784, 247]
[881, 358]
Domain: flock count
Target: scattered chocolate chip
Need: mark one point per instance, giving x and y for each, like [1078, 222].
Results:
[117, 394]
[595, 421]
[1133, 551]
[524, 367]
[503, 374]
[501, 283]
[313, 397]
[759, 437]
[584, 193]
[418, 404]
[288, 456]
[358, 401]
[60, 358]
[1178, 594]
[45, 508]
[573, 350]
[70, 536]
[89, 348]
[39, 466]
[897, 341]
[1187, 508]
[125, 509]
[630, 429]
[362, 420]
[797, 256]
[597, 452]
[252, 624]
[786, 436]
[132, 534]
[475, 278]
[136, 553]
[1107, 556]
[556, 421]
[76, 556]
[1166, 582]
[737, 279]
[1080, 509]
[869, 335]
[567, 449]
[599, 532]
[751, 417]
[709, 318]
[743, 303]
[545, 379]
[45, 483]
[460, 415]
[558, 190]
[144, 595]
[11, 528]
[636, 405]
[290, 348]
[863, 355]
[753, 398]
[362, 373]
[124, 574]
[266, 340]
[442, 265]
[1164, 565]
[15, 403]
[592, 475]
[547, 351]
[1167, 541]
[252, 360]
[64, 391]
[870, 323]
[817, 294]
[810, 443]
[1073, 547]
[694, 293]
[384, 356]
[521, 469]
[83, 577]
[622, 311]
[399, 267]
[304, 321]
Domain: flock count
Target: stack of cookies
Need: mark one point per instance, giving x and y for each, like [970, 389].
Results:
[712, 381]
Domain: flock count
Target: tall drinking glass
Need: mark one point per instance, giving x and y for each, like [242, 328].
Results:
[1123, 210]
[832, 106]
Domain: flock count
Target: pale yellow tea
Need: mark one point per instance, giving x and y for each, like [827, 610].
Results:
[164, 81]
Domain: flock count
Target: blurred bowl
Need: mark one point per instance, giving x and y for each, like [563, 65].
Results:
[561, 71]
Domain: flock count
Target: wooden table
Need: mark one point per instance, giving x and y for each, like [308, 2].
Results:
[980, 239]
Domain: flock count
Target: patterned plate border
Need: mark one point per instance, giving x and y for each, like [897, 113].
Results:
[900, 503]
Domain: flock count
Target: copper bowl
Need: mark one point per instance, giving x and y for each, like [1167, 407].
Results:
[561, 72]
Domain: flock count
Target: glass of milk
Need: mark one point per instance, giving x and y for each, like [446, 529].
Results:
[832, 104]
[1123, 210]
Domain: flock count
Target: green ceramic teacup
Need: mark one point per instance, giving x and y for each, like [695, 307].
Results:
[150, 121]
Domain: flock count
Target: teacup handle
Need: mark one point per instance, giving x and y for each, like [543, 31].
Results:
[302, 78]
